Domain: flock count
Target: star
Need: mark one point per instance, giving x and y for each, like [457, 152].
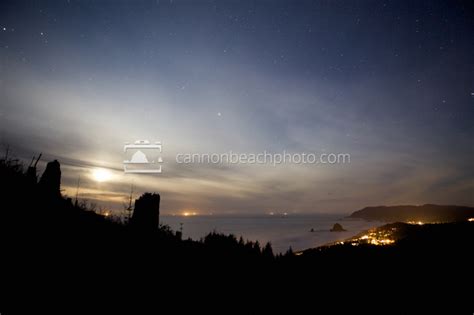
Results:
[4, 28]
[219, 114]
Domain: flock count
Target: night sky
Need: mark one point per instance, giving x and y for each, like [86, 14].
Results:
[389, 82]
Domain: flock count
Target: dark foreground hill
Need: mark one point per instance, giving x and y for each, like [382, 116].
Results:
[57, 255]
[424, 213]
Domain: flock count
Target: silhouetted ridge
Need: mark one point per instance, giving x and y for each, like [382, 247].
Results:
[45, 238]
[424, 213]
[39, 209]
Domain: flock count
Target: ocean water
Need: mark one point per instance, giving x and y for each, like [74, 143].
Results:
[281, 231]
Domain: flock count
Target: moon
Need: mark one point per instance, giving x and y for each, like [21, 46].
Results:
[101, 175]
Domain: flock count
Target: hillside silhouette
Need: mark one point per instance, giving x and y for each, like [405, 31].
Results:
[35, 206]
[424, 213]
[47, 238]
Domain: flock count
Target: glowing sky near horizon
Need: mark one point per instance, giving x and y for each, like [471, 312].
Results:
[389, 82]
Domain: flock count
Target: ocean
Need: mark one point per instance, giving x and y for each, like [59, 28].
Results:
[281, 231]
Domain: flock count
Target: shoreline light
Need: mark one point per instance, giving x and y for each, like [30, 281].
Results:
[189, 213]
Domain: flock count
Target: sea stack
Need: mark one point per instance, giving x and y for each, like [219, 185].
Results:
[337, 228]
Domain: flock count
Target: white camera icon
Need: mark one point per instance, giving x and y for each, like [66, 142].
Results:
[145, 159]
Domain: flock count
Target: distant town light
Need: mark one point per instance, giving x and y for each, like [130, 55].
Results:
[416, 222]
[189, 213]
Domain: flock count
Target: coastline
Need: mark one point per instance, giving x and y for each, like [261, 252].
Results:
[293, 230]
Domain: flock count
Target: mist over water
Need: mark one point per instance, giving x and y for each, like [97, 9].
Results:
[281, 231]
